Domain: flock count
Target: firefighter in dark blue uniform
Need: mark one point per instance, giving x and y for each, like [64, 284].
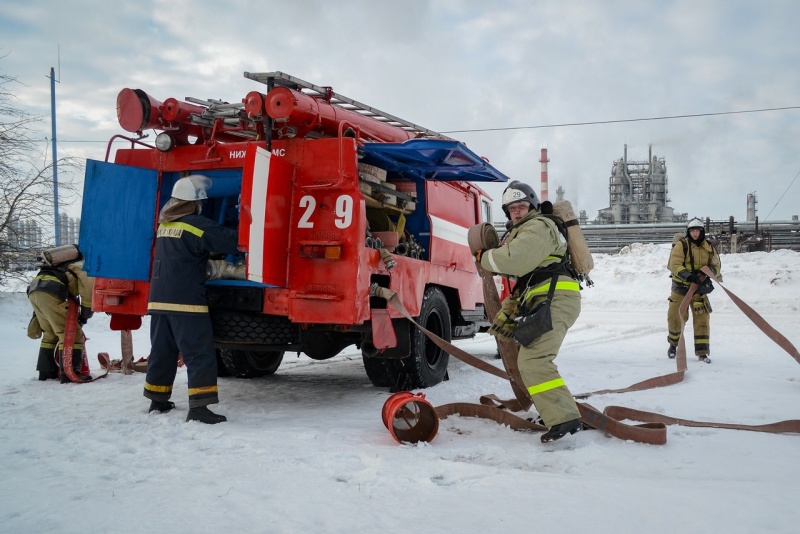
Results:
[179, 322]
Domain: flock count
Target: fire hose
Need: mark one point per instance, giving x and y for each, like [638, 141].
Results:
[69, 341]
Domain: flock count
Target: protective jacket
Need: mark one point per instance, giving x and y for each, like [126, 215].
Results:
[687, 258]
[183, 247]
[533, 244]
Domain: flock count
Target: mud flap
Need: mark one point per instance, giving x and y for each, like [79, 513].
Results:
[383, 334]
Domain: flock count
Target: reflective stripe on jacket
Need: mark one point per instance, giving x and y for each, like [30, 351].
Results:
[179, 266]
[563, 284]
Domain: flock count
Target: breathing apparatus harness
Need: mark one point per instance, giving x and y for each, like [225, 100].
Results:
[551, 271]
[680, 285]
[45, 280]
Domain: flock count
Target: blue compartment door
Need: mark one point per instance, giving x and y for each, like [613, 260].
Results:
[117, 220]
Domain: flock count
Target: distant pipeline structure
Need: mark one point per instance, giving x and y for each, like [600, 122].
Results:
[638, 193]
[639, 213]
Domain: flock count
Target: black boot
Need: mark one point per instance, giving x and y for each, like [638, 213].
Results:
[562, 429]
[77, 363]
[64, 378]
[204, 415]
[46, 364]
[161, 406]
[671, 351]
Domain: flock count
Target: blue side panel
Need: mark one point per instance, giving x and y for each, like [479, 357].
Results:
[117, 220]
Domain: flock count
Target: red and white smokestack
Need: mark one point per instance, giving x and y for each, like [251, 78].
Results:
[543, 160]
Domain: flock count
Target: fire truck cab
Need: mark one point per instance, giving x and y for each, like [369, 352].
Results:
[329, 196]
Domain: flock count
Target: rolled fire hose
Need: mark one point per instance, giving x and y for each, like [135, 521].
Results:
[482, 237]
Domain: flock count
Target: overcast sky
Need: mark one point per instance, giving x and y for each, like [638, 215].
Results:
[461, 65]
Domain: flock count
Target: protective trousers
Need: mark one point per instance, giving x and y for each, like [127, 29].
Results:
[52, 315]
[701, 322]
[549, 393]
[189, 335]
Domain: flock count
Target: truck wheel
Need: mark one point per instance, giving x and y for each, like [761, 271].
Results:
[222, 370]
[251, 363]
[382, 372]
[427, 364]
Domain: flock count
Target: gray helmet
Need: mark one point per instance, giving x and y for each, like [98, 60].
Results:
[519, 192]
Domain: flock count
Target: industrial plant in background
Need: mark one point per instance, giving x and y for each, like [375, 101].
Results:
[638, 193]
[639, 213]
[23, 240]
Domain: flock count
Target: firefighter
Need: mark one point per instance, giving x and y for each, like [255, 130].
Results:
[690, 254]
[533, 251]
[60, 278]
[179, 319]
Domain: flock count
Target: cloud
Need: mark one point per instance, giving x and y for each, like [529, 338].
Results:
[462, 64]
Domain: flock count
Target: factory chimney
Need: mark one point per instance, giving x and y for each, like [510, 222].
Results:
[543, 160]
[751, 206]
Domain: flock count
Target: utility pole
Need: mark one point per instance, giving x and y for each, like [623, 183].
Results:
[55, 154]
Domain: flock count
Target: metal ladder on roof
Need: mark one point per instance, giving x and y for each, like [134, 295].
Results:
[277, 78]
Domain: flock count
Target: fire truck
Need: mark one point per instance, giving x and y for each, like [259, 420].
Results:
[331, 198]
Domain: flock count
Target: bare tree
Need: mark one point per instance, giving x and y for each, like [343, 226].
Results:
[26, 185]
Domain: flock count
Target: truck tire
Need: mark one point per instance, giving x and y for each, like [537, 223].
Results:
[222, 370]
[382, 372]
[427, 364]
[251, 363]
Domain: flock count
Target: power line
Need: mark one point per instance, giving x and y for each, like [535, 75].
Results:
[565, 124]
[68, 141]
[666, 117]
[781, 197]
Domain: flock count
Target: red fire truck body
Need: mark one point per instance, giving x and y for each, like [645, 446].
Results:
[329, 196]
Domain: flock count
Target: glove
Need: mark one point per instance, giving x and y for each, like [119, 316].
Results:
[85, 315]
[694, 278]
[706, 286]
[34, 329]
[503, 325]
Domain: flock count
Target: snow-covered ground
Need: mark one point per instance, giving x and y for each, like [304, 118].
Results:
[305, 450]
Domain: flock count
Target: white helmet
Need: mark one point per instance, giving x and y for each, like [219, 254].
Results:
[695, 223]
[191, 187]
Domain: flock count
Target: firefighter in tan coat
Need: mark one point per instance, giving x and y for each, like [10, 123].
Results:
[59, 280]
[533, 252]
[688, 256]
